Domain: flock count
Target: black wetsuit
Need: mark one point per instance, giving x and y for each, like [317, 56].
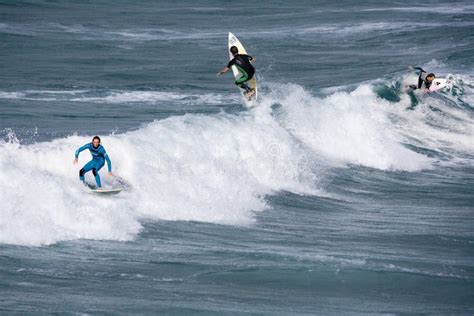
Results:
[422, 79]
[242, 62]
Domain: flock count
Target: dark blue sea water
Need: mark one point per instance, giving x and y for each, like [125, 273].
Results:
[338, 192]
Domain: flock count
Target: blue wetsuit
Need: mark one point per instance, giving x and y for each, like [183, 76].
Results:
[99, 156]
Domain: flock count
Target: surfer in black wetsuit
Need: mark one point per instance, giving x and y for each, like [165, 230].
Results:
[424, 77]
[243, 64]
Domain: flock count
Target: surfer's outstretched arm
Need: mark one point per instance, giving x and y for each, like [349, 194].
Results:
[76, 155]
[86, 146]
[223, 71]
[420, 76]
[420, 82]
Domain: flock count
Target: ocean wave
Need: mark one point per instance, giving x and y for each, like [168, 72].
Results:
[219, 168]
[205, 168]
[349, 128]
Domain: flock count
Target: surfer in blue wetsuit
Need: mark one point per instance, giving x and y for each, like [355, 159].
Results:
[245, 67]
[99, 156]
[423, 78]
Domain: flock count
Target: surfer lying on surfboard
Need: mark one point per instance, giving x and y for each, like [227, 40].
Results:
[424, 78]
[243, 64]
[99, 156]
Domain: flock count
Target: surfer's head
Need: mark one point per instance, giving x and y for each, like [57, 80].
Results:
[96, 141]
[430, 77]
[234, 50]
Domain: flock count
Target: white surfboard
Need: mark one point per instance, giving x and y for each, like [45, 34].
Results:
[107, 191]
[439, 83]
[252, 83]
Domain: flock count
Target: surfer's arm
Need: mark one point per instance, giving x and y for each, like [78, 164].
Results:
[419, 68]
[86, 146]
[252, 59]
[420, 82]
[109, 163]
[223, 71]
[420, 77]
[76, 155]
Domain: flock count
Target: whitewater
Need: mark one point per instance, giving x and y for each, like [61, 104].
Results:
[219, 168]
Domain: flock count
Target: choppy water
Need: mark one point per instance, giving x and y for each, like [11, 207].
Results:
[339, 192]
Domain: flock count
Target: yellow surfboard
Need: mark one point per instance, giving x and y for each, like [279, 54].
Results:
[252, 83]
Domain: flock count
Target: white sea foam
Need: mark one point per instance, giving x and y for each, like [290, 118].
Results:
[158, 96]
[11, 95]
[205, 168]
[436, 123]
[117, 97]
[348, 127]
